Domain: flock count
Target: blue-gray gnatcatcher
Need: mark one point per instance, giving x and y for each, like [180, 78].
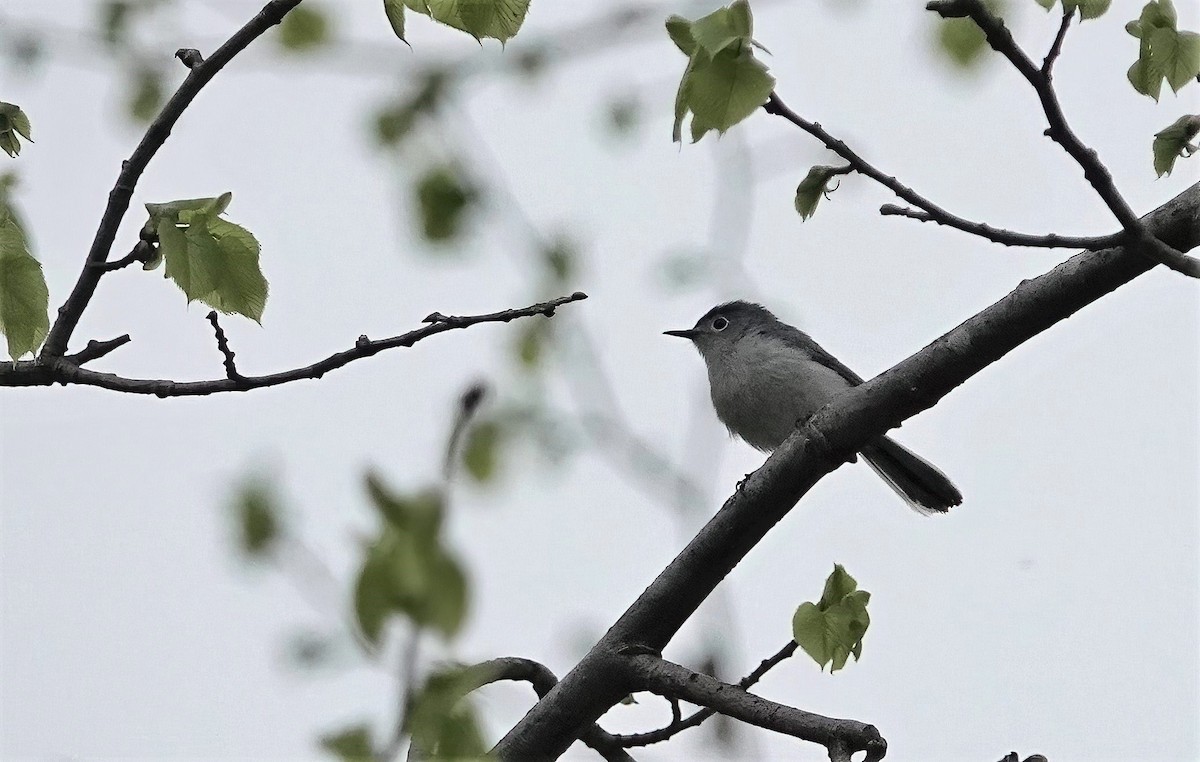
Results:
[766, 376]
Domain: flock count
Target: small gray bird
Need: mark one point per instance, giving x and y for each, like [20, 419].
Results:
[766, 376]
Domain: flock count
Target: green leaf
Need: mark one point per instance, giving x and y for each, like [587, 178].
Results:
[258, 518]
[831, 630]
[1175, 141]
[480, 454]
[723, 83]
[495, 19]
[13, 123]
[350, 745]
[304, 28]
[444, 608]
[24, 299]
[395, 16]
[443, 199]
[1088, 9]
[211, 259]
[814, 185]
[1165, 53]
[679, 30]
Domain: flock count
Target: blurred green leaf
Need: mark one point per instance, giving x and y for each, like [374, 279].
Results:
[442, 721]
[406, 571]
[495, 19]
[24, 299]
[443, 199]
[531, 341]
[1175, 141]
[304, 28]
[420, 514]
[723, 83]
[14, 124]
[814, 185]
[623, 115]
[350, 745]
[831, 630]
[211, 259]
[114, 21]
[1164, 53]
[394, 9]
[147, 95]
[395, 121]
[258, 518]
[961, 39]
[481, 452]
[559, 258]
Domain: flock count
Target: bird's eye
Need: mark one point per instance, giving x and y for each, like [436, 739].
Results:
[719, 323]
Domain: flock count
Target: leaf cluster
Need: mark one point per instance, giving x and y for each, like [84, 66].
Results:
[210, 258]
[495, 19]
[723, 82]
[1164, 53]
[14, 124]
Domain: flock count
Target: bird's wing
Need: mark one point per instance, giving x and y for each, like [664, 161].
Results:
[797, 338]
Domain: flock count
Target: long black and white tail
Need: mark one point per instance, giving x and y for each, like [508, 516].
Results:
[919, 482]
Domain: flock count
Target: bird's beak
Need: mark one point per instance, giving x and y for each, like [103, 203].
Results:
[690, 333]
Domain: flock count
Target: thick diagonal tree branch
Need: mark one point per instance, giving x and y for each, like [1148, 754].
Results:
[65, 370]
[665, 678]
[132, 168]
[1094, 171]
[828, 439]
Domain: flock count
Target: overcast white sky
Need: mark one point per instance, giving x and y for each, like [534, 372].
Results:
[1056, 611]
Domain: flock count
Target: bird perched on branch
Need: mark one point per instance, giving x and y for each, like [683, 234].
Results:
[766, 376]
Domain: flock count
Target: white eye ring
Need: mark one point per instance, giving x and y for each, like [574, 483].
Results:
[719, 323]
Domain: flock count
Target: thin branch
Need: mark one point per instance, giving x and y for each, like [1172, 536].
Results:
[1094, 171]
[679, 724]
[231, 371]
[142, 252]
[984, 230]
[776, 106]
[543, 681]
[131, 171]
[97, 349]
[1056, 47]
[666, 678]
[61, 370]
[827, 440]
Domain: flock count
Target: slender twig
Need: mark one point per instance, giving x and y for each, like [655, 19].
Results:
[62, 370]
[981, 229]
[142, 252]
[1001, 40]
[131, 171]
[679, 724]
[1056, 47]
[97, 349]
[653, 673]
[776, 106]
[231, 371]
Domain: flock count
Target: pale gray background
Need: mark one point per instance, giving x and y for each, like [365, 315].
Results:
[1054, 612]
